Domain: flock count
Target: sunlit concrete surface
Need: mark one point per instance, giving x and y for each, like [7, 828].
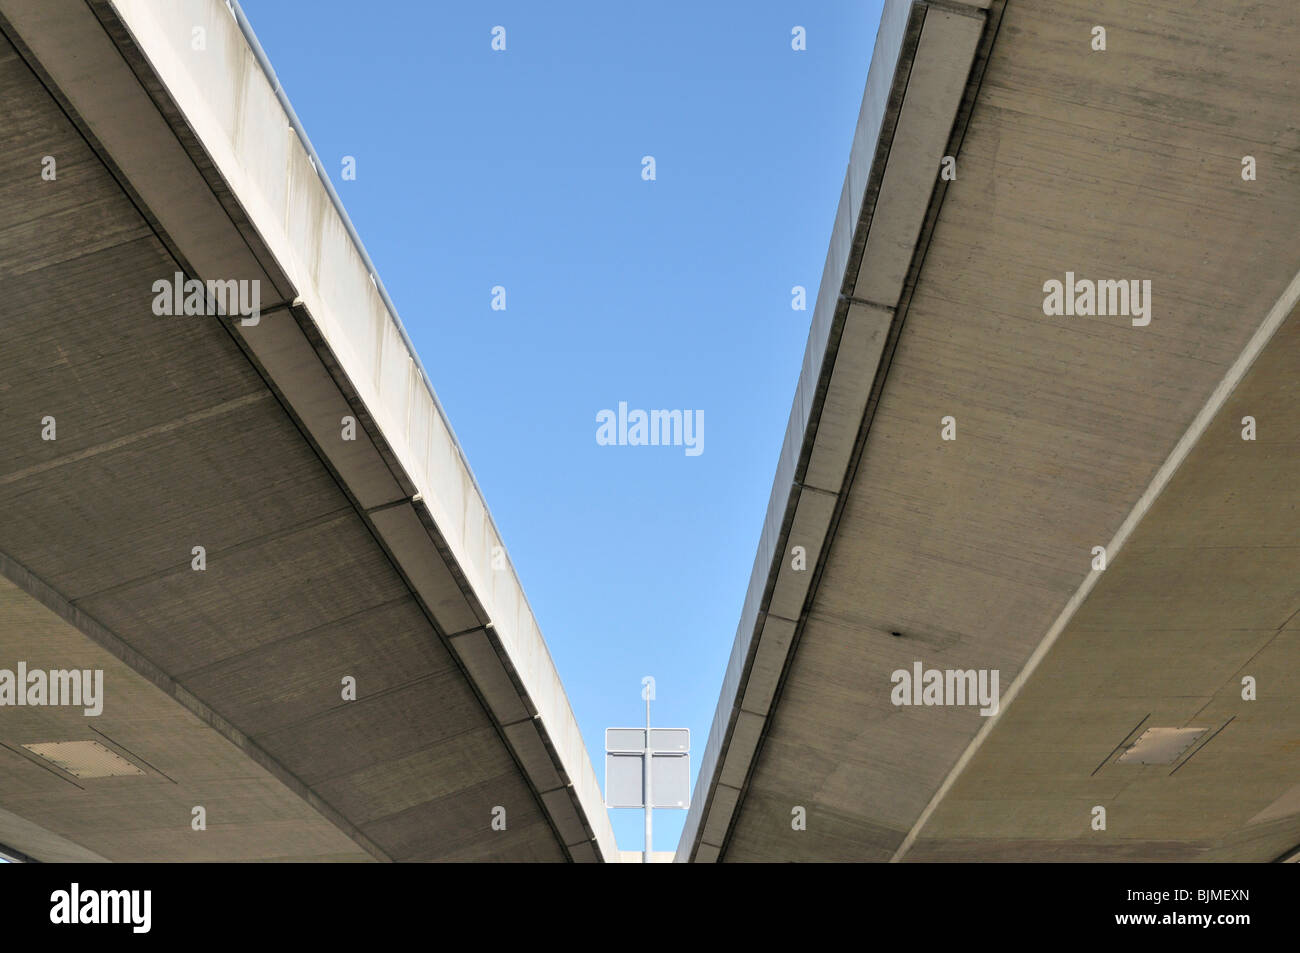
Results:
[327, 558]
[1071, 433]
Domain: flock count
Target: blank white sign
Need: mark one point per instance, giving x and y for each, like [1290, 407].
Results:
[670, 780]
[624, 780]
[624, 739]
[670, 739]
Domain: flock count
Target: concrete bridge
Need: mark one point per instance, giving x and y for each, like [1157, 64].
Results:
[962, 458]
[257, 523]
[1027, 587]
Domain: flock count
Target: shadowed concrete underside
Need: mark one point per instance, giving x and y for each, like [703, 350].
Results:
[1071, 433]
[326, 559]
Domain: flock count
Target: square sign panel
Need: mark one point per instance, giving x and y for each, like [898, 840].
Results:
[670, 780]
[670, 772]
[624, 780]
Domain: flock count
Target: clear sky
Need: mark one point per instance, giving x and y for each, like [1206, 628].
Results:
[523, 169]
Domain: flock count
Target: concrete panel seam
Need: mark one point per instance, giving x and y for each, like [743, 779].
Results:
[867, 303]
[957, 8]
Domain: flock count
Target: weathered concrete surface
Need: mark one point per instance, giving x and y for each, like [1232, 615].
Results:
[54, 816]
[1206, 592]
[1117, 164]
[371, 558]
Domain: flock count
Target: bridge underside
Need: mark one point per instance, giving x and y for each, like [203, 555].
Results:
[224, 687]
[976, 553]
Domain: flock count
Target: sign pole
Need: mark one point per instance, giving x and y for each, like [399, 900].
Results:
[649, 811]
[629, 784]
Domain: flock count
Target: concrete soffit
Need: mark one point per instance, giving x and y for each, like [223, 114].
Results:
[207, 153]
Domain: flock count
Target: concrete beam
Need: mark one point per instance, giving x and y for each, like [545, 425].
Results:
[915, 87]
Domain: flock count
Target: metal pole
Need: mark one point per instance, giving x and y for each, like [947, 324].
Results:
[648, 812]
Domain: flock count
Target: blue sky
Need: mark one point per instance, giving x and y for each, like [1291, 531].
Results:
[523, 169]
